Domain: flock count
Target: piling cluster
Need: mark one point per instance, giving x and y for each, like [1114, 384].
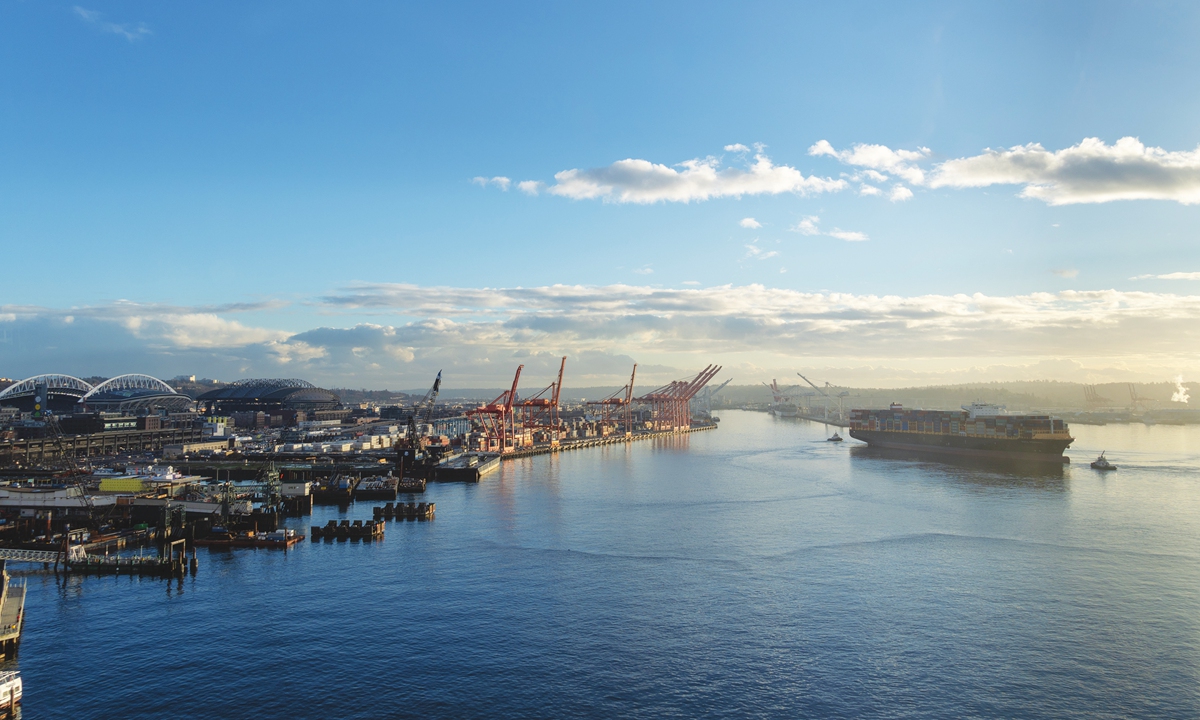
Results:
[402, 511]
[345, 530]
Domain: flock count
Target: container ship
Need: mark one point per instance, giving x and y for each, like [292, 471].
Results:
[978, 430]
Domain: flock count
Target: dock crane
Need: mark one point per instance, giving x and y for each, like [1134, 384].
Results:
[840, 398]
[620, 399]
[497, 420]
[705, 398]
[539, 412]
[409, 454]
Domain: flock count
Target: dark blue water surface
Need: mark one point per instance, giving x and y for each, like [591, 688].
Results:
[753, 571]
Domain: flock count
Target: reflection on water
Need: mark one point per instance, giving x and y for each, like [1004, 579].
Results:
[982, 472]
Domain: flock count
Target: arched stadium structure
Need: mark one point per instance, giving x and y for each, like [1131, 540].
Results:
[134, 392]
[63, 392]
[268, 394]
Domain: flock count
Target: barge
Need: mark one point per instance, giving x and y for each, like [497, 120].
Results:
[377, 488]
[336, 490]
[978, 430]
[274, 540]
[470, 467]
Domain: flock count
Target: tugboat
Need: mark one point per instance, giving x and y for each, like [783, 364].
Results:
[1102, 463]
[834, 438]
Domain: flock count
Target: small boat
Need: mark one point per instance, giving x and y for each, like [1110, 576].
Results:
[10, 691]
[1102, 463]
[834, 438]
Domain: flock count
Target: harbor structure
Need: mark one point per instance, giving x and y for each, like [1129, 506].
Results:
[12, 613]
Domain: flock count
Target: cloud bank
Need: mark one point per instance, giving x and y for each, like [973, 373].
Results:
[392, 335]
[1089, 172]
[1169, 276]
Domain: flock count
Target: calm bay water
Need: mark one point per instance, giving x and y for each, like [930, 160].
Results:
[752, 571]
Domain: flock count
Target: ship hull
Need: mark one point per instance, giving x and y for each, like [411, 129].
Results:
[1040, 450]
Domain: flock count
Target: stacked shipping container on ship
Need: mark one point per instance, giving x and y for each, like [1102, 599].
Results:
[978, 430]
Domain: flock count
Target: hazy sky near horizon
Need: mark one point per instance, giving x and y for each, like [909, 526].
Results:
[360, 194]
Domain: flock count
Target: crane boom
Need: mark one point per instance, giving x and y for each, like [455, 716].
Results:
[810, 382]
[430, 397]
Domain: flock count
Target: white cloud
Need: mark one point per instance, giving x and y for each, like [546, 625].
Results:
[529, 187]
[1169, 276]
[1090, 172]
[899, 193]
[125, 30]
[645, 270]
[750, 223]
[847, 235]
[499, 181]
[737, 147]
[1066, 273]
[757, 253]
[807, 225]
[869, 190]
[690, 282]
[641, 181]
[901, 163]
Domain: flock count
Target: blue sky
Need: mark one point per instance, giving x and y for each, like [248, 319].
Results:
[263, 189]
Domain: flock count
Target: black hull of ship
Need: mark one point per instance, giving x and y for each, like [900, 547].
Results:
[1050, 451]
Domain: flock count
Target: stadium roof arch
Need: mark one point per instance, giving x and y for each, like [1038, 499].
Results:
[63, 392]
[135, 392]
[269, 394]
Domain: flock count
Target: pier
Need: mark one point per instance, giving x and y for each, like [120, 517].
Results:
[597, 442]
[12, 613]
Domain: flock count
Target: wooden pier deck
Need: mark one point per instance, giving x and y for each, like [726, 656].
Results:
[12, 613]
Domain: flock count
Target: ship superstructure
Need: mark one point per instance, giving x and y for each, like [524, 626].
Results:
[978, 430]
[781, 404]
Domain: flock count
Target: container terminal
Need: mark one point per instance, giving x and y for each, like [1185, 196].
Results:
[130, 475]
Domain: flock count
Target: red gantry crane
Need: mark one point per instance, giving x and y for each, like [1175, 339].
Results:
[539, 412]
[496, 420]
[669, 410]
[621, 400]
